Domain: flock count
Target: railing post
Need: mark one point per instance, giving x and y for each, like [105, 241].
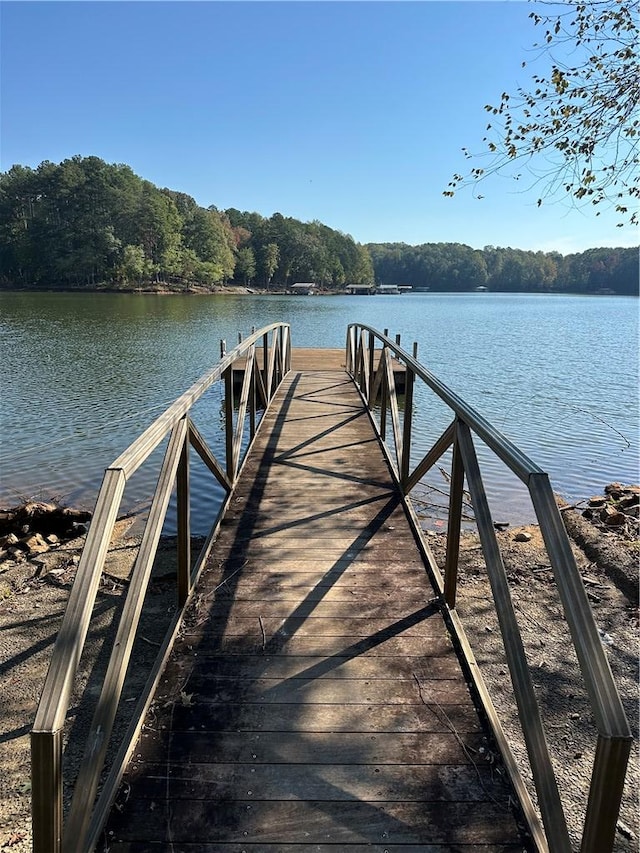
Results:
[605, 794]
[252, 400]
[265, 365]
[228, 422]
[456, 491]
[46, 791]
[384, 397]
[372, 344]
[409, 378]
[357, 372]
[184, 525]
[349, 349]
[223, 348]
[279, 354]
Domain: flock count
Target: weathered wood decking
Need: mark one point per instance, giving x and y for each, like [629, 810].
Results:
[314, 701]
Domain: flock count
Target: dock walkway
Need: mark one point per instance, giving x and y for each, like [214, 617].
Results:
[314, 700]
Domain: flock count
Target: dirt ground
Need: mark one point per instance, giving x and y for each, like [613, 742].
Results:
[568, 723]
[33, 595]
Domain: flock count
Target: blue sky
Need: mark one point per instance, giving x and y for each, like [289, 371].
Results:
[353, 113]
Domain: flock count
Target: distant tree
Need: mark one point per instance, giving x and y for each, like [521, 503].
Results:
[135, 266]
[577, 131]
[246, 264]
[270, 257]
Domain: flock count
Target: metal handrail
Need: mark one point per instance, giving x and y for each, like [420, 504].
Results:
[613, 732]
[51, 833]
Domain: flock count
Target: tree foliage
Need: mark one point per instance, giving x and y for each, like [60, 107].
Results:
[85, 223]
[577, 130]
[286, 250]
[454, 267]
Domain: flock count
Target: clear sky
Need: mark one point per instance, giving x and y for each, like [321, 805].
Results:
[353, 113]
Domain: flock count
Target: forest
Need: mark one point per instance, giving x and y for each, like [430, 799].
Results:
[86, 224]
[455, 267]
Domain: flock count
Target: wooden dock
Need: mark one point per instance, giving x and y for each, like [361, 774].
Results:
[314, 700]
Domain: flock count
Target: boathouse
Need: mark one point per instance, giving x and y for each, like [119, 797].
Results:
[304, 288]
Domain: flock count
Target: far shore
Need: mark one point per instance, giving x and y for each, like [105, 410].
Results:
[164, 289]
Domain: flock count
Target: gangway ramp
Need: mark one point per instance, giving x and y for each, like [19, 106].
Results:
[314, 700]
[315, 689]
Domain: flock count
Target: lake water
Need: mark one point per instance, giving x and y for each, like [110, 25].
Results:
[84, 374]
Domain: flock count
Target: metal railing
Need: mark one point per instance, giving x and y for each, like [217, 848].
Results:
[373, 369]
[54, 832]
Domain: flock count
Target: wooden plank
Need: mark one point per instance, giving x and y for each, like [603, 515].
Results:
[312, 748]
[309, 821]
[301, 625]
[329, 691]
[334, 782]
[328, 593]
[338, 586]
[246, 609]
[249, 847]
[281, 667]
[257, 717]
[361, 566]
[370, 646]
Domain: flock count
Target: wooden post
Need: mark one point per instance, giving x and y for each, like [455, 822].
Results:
[252, 400]
[228, 422]
[288, 360]
[265, 364]
[46, 791]
[456, 488]
[409, 379]
[384, 396]
[605, 794]
[184, 525]
[357, 372]
[223, 348]
[348, 348]
[372, 345]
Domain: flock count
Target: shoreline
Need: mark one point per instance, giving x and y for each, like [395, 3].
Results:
[166, 289]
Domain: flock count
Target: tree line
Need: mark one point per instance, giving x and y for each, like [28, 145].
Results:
[85, 224]
[456, 267]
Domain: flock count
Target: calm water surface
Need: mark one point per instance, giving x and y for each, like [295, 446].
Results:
[85, 374]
